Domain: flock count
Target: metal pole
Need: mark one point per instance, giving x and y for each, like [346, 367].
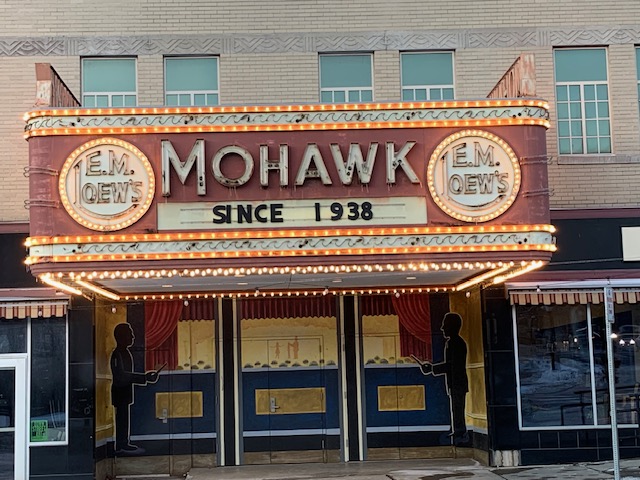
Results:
[610, 318]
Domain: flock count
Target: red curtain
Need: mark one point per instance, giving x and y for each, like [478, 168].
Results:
[161, 333]
[415, 325]
[288, 307]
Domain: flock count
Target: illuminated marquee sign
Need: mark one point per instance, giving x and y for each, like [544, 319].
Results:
[107, 184]
[474, 176]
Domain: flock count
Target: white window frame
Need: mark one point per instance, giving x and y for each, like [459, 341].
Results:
[595, 424]
[348, 90]
[192, 93]
[427, 87]
[109, 95]
[583, 119]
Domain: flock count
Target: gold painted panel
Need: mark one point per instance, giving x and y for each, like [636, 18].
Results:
[394, 398]
[179, 404]
[283, 401]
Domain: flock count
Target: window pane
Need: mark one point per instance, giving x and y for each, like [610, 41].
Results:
[581, 65]
[185, 100]
[590, 110]
[13, 336]
[48, 359]
[199, 99]
[592, 145]
[435, 94]
[421, 94]
[589, 92]
[117, 100]
[366, 96]
[89, 101]
[172, 100]
[574, 92]
[638, 63]
[109, 75]
[562, 94]
[326, 97]
[554, 365]
[354, 96]
[563, 129]
[212, 99]
[563, 110]
[343, 71]
[191, 74]
[576, 128]
[592, 128]
[605, 145]
[338, 96]
[603, 109]
[576, 145]
[564, 146]
[447, 93]
[130, 100]
[575, 110]
[603, 125]
[102, 100]
[407, 95]
[602, 92]
[427, 68]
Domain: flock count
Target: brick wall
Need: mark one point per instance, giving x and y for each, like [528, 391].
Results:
[265, 59]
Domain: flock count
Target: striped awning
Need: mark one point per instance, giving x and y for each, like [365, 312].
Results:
[570, 297]
[34, 309]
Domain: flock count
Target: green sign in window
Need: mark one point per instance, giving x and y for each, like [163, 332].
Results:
[39, 430]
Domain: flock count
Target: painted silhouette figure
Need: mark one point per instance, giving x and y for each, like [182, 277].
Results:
[454, 367]
[277, 350]
[124, 378]
[295, 346]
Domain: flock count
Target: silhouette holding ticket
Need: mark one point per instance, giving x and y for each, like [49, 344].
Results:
[124, 378]
[454, 367]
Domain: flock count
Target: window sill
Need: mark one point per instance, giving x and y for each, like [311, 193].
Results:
[609, 158]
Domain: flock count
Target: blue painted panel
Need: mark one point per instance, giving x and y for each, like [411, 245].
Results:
[436, 398]
[299, 378]
[143, 421]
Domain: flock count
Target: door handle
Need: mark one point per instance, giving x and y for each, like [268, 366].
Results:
[272, 405]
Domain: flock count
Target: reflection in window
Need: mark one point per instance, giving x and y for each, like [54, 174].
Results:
[48, 382]
[562, 361]
[555, 365]
[13, 336]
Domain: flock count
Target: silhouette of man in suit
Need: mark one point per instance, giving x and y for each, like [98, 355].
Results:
[454, 367]
[124, 378]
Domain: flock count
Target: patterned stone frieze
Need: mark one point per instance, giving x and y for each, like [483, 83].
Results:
[320, 42]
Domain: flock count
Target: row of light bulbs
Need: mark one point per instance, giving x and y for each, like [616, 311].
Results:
[286, 270]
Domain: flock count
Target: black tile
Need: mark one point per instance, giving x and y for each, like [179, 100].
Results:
[81, 390]
[568, 439]
[504, 427]
[551, 456]
[587, 438]
[548, 439]
[529, 439]
[81, 336]
[604, 438]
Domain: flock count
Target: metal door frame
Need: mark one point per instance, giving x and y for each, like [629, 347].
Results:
[18, 363]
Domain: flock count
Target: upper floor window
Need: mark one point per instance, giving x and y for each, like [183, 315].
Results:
[582, 101]
[191, 81]
[427, 76]
[346, 78]
[109, 82]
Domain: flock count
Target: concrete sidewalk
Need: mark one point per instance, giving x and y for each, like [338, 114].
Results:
[435, 469]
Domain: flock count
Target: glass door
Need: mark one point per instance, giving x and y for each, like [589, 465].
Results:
[13, 439]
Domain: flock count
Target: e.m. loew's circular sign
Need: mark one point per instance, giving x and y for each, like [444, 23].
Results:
[474, 176]
[106, 184]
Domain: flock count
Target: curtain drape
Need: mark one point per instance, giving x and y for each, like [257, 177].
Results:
[415, 325]
[161, 333]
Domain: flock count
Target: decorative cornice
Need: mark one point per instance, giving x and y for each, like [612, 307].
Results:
[292, 247]
[277, 118]
[522, 38]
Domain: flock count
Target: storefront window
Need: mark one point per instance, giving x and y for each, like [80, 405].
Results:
[13, 336]
[562, 360]
[48, 380]
[554, 345]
